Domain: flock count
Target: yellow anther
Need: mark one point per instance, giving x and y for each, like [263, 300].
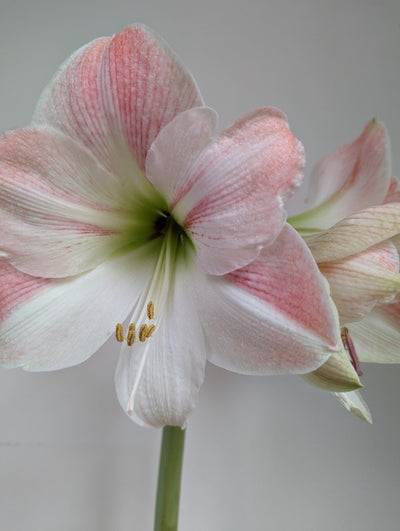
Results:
[143, 332]
[119, 332]
[150, 330]
[131, 334]
[150, 310]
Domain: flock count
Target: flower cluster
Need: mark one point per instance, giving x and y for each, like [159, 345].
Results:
[123, 214]
[353, 231]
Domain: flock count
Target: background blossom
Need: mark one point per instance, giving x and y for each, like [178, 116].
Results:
[352, 229]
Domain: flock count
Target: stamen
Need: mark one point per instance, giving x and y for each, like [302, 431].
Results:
[143, 332]
[130, 339]
[119, 332]
[150, 330]
[156, 291]
[150, 310]
[349, 346]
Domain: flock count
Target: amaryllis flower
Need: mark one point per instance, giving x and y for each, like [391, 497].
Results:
[120, 213]
[353, 230]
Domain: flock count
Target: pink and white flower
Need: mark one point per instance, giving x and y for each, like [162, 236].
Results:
[119, 204]
[353, 231]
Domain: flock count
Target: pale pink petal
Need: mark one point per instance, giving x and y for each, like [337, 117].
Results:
[352, 178]
[377, 336]
[360, 281]
[176, 148]
[60, 211]
[231, 202]
[115, 95]
[393, 194]
[173, 361]
[273, 316]
[52, 324]
[16, 288]
[357, 233]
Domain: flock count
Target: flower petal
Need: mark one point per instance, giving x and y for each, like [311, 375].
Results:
[356, 233]
[37, 315]
[360, 281]
[115, 95]
[59, 209]
[377, 336]
[174, 359]
[336, 374]
[240, 181]
[273, 316]
[352, 178]
[393, 194]
[176, 148]
[354, 403]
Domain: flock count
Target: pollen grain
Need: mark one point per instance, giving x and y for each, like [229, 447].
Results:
[130, 339]
[119, 332]
[150, 330]
[143, 332]
[150, 310]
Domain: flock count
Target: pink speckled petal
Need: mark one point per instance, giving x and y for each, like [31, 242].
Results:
[51, 324]
[115, 95]
[232, 200]
[353, 178]
[59, 209]
[360, 281]
[273, 316]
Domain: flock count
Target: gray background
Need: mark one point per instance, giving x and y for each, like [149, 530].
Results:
[261, 453]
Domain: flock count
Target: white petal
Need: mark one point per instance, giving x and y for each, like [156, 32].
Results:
[66, 320]
[354, 403]
[360, 281]
[377, 336]
[357, 233]
[173, 361]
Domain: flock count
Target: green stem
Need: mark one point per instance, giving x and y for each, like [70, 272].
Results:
[169, 479]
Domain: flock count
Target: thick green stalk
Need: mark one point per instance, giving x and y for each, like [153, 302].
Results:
[169, 479]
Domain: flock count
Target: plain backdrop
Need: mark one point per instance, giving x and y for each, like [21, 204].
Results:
[262, 453]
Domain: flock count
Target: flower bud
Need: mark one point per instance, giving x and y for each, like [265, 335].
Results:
[335, 375]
